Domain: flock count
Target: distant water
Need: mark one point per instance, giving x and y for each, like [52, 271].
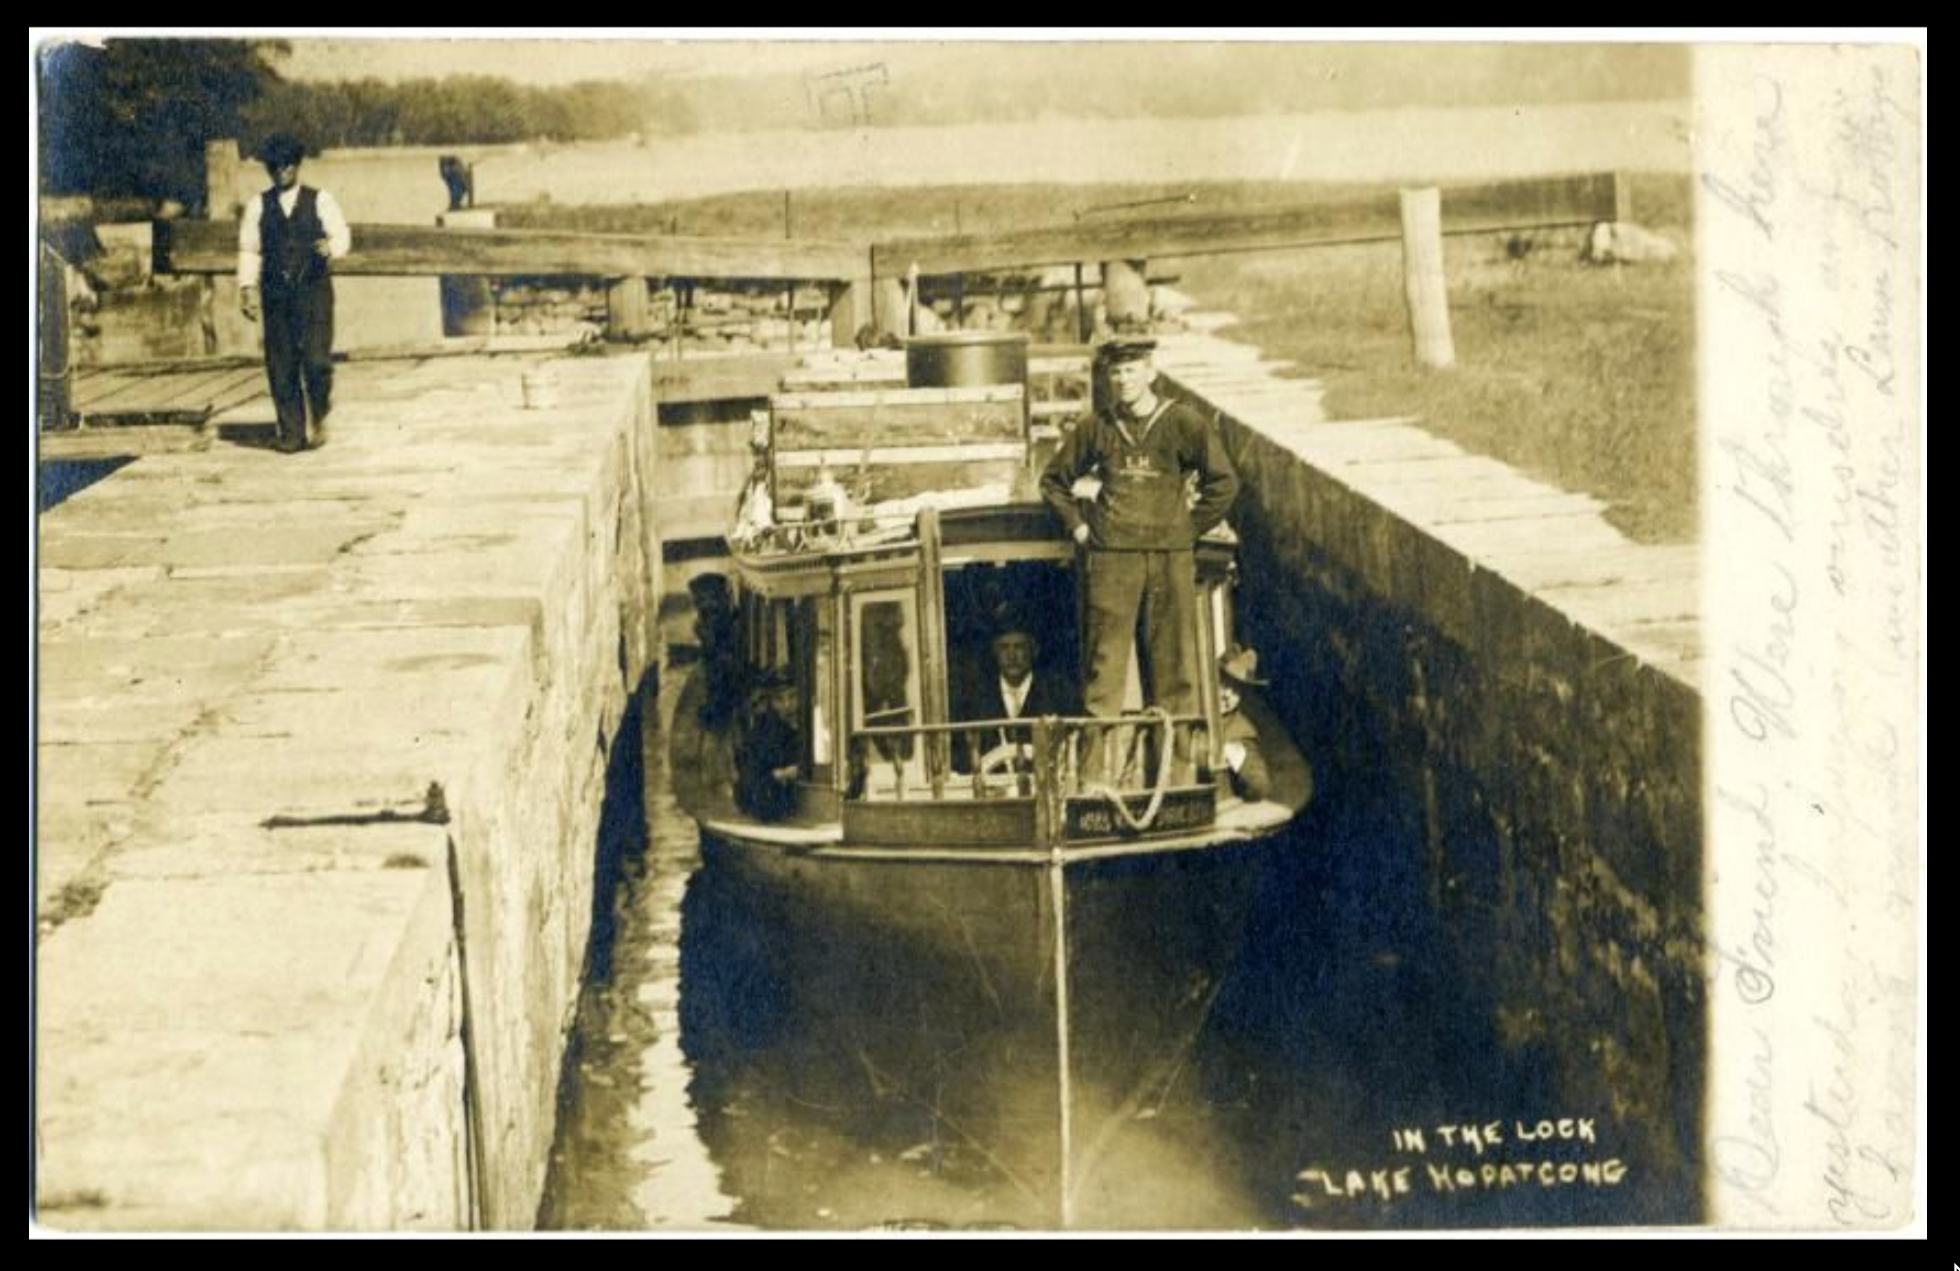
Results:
[1417, 143]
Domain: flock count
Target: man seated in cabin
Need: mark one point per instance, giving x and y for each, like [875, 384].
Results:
[1012, 688]
[1138, 533]
[1245, 767]
[767, 757]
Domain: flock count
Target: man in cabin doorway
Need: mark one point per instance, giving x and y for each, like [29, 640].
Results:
[1137, 534]
[1014, 687]
[287, 239]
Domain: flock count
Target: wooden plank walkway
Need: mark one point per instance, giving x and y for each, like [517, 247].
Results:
[110, 397]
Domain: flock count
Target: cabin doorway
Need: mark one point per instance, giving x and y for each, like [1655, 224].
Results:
[985, 598]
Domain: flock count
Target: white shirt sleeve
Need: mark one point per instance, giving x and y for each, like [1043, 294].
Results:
[248, 243]
[340, 239]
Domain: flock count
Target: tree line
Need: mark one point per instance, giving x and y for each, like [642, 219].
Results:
[130, 118]
[461, 110]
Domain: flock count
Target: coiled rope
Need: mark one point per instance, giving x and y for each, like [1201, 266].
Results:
[1141, 824]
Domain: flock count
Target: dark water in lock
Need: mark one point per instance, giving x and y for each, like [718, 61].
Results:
[734, 1067]
[62, 478]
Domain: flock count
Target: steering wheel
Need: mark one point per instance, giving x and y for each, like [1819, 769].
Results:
[997, 766]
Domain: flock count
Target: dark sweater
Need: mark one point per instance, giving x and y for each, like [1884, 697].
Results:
[769, 744]
[1142, 466]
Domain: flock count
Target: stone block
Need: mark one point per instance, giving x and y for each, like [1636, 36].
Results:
[172, 1097]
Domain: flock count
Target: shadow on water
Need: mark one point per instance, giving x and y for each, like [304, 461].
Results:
[623, 826]
[827, 1077]
[850, 1076]
[1352, 1016]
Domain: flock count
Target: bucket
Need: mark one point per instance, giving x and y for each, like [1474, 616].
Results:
[966, 359]
[540, 391]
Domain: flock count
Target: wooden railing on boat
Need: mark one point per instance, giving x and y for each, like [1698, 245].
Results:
[1029, 782]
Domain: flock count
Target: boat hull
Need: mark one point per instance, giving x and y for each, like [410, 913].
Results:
[1029, 1013]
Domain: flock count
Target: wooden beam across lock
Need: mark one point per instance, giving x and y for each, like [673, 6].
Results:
[1541, 203]
[211, 247]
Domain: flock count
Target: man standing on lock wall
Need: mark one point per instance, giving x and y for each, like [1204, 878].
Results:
[287, 239]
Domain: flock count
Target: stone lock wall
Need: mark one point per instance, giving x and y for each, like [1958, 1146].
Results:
[321, 753]
[1491, 695]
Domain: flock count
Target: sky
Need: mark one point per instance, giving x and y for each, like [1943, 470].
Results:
[634, 53]
[560, 61]
[637, 54]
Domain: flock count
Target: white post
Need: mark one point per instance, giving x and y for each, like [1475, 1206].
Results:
[888, 304]
[627, 316]
[1424, 283]
[1126, 296]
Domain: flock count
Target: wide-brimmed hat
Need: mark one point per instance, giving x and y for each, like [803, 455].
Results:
[1241, 666]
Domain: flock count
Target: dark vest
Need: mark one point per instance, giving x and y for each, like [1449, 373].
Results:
[286, 243]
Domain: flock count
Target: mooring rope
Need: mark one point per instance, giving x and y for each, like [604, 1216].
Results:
[1141, 824]
[1058, 896]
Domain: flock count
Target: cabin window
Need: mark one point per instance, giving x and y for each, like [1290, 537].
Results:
[817, 630]
[771, 637]
[885, 689]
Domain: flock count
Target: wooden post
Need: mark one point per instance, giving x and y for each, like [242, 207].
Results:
[221, 179]
[1126, 296]
[850, 308]
[1622, 199]
[469, 307]
[626, 309]
[843, 773]
[932, 650]
[1048, 826]
[52, 403]
[1424, 284]
[1082, 331]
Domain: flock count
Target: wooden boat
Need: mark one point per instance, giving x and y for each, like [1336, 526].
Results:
[1092, 918]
